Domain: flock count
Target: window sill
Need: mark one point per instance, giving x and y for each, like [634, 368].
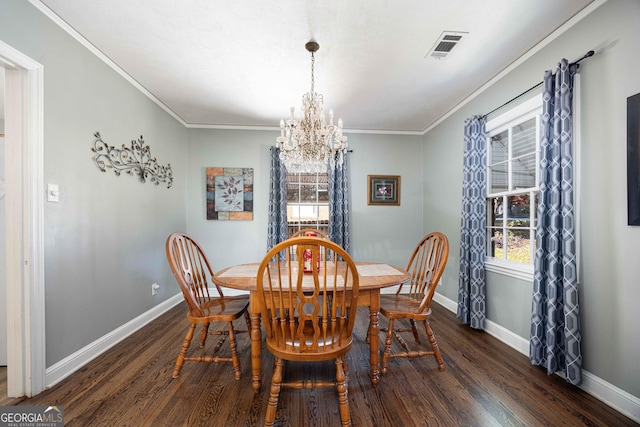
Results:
[511, 269]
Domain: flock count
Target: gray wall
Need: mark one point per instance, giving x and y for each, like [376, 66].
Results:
[379, 233]
[104, 239]
[609, 268]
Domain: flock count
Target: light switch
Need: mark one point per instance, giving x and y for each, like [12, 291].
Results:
[53, 193]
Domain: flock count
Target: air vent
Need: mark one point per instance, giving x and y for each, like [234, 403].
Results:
[445, 44]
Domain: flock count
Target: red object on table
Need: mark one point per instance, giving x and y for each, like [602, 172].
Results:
[306, 256]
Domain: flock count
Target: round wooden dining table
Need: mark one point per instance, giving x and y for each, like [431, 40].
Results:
[372, 278]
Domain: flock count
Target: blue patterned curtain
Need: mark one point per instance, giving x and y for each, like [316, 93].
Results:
[277, 226]
[555, 319]
[339, 223]
[471, 286]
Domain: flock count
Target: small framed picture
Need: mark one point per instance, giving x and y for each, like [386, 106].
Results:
[383, 190]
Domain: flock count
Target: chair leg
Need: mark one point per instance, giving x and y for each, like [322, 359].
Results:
[346, 367]
[204, 334]
[387, 348]
[414, 329]
[274, 392]
[343, 393]
[183, 351]
[234, 352]
[434, 346]
[247, 318]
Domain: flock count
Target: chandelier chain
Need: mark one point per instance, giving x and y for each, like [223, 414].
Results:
[313, 61]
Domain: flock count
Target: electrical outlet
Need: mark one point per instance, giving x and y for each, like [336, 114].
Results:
[154, 288]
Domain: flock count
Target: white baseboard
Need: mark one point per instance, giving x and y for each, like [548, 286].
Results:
[618, 399]
[611, 395]
[75, 361]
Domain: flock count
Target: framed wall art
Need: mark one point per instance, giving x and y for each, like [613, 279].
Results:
[383, 190]
[230, 194]
[633, 159]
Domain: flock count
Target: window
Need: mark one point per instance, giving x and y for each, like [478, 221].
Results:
[307, 201]
[512, 186]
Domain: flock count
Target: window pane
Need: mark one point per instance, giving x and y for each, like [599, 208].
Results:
[293, 193]
[512, 169]
[323, 193]
[307, 202]
[523, 138]
[496, 246]
[524, 172]
[293, 213]
[518, 246]
[498, 178]
[308, 193]
[496, 211]
[308, 213]
[519, 208]
[323, 214]
[498, 146]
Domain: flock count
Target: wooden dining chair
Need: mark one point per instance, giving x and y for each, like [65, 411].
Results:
[308, 317]
[310, 232]
[195, 277]
[412, 301]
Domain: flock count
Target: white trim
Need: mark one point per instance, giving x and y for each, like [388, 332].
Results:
[24, 138]
[93, 49]
[513, 340]
[511, 269]
[522, 112]
[75, 361]
[447, 303]
[97, 52]
[620, 400]
[77, 36]
[384, 132]
[557, 33]
[277, 129]
[527, 110]
[623, 402]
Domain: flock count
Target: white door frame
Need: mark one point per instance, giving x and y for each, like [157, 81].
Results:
[24, 146]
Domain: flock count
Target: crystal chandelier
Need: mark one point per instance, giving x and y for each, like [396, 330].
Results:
[309, 144]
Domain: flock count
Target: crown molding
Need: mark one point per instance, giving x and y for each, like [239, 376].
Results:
[93, 49]
[97, 52]
[551, 37]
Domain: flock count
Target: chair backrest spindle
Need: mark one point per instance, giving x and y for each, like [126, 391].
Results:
[312, 311]
[192, 271]
[425, 267]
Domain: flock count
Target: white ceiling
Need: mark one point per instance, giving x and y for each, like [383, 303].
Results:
[238, 63]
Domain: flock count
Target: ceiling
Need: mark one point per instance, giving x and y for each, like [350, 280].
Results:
[241, 64]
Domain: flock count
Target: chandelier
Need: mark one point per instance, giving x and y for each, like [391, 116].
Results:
[308, 143]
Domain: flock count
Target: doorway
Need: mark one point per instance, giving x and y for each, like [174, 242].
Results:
[3, 268]
[24, 222]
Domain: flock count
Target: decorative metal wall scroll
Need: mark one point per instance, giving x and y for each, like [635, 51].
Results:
[136, 161]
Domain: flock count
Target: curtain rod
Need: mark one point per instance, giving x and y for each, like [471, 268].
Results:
[586, 55]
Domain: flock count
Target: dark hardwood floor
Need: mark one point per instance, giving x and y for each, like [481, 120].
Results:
[486, 384]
